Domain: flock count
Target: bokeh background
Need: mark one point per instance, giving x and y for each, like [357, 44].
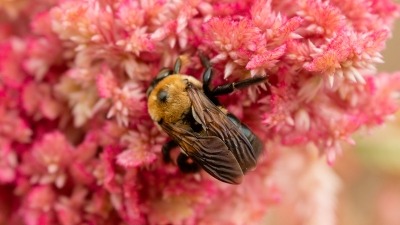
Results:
[369, 171]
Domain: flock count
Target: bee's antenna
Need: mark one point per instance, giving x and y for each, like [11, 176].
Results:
[178, 65]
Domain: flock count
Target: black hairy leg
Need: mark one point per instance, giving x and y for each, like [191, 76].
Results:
[207, 78]
[186, 165]
[183, 161]
[231, 87]
[166, 150]
[225, 88]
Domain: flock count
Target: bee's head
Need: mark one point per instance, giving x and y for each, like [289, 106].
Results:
[167, 99]
[161, 75]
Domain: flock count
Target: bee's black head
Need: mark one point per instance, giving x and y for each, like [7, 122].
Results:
[161, 75]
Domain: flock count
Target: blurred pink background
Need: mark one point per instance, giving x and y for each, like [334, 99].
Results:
[370, 171]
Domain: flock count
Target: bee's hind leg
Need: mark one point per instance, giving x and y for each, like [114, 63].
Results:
[186, 165]
[166, 150]
[183, 160]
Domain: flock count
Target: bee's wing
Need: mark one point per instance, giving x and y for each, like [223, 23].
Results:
[216, 123]
[209, 152]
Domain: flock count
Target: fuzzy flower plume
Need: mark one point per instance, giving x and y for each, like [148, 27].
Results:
[77, 145]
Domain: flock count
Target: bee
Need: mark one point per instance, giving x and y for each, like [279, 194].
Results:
[209, 136]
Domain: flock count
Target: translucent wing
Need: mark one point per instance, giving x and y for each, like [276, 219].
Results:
[216, 123]
[210, 152]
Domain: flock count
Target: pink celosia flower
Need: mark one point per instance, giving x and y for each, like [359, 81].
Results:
[13, 9]
[38, 101]
[48, 159]
[306, 205]
[77, 145]
[11, 52]
[8, 164]
[143, 142]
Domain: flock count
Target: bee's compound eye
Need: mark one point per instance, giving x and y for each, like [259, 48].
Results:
[162, 96]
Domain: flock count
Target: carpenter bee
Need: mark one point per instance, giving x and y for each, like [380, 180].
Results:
[208, 135]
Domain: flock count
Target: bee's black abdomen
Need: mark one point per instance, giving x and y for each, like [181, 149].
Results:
[251, 137]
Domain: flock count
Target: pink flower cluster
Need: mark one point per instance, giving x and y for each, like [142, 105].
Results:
[78, 147]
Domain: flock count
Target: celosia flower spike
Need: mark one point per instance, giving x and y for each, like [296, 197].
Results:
[78, 146]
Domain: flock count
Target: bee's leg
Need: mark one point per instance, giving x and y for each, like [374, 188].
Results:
[229, 88]
[207, 77]
[166, 150]
[185, 165]
[208, 73]
[178, 65]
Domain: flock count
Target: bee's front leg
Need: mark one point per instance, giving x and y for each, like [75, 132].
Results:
[186, 165]
[207, 78]
[207, 74]
[229, 88]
